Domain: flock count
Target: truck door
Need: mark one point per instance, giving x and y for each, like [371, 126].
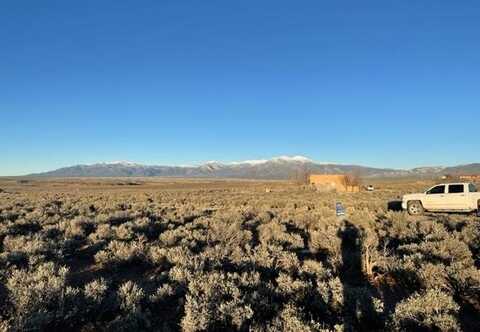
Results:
[457, 197]
[435, 198]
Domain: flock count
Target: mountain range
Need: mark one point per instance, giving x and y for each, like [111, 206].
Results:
[276, 168]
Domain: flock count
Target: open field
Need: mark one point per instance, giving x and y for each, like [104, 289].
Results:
[195, 255]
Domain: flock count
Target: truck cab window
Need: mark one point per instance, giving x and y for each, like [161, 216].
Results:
[456, 188]
[436, 190]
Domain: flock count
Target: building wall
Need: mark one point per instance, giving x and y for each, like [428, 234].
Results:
[470, 177]
[353, 189]
[329, 182]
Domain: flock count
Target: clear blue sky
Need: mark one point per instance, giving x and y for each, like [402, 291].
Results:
[379, 83]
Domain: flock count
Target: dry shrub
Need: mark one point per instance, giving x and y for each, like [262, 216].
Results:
[130, 296]
[291, 288]
[157, 255]
[331, 292]
[274, 258]
[274, 233]
[228, 232]
[215, 301]
[292, 319]
[79, 227]
[132, 318]
[163, 293]
[432, 310]
[434, 276]
[470, 234]
[327, 241]
[22, 226]
[118, 253]
[103, 232]
[316, 269]
[95, 291]
[27, 244]
[40, 297]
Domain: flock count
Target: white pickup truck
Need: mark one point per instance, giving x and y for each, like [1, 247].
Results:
[448, 197]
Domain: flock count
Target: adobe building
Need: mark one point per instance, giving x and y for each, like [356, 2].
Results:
[331, 182]
[472, 178]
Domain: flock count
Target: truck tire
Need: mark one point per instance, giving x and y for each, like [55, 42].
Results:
[415, 208]
[478, 209]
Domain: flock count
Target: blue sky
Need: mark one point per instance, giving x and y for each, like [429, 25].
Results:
[378, 83]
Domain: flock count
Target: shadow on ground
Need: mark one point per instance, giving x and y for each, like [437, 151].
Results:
[358, 310]
[394, 206]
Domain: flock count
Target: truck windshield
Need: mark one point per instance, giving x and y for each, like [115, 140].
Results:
[472, 188]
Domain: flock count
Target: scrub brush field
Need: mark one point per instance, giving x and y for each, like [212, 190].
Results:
[197, 255]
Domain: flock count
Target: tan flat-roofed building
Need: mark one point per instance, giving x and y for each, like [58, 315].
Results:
[473, 178]
[332, 182]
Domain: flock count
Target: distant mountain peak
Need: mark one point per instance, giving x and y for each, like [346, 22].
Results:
[297, 159]
[212, 162]
[428, 169]
[282, 167]
[300, 159]
[121, 163]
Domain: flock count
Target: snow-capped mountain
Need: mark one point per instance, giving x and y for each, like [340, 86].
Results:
[283, 167]
[122, 163]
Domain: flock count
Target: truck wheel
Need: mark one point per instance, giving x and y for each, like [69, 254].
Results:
[415, 208]
[478, 209]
